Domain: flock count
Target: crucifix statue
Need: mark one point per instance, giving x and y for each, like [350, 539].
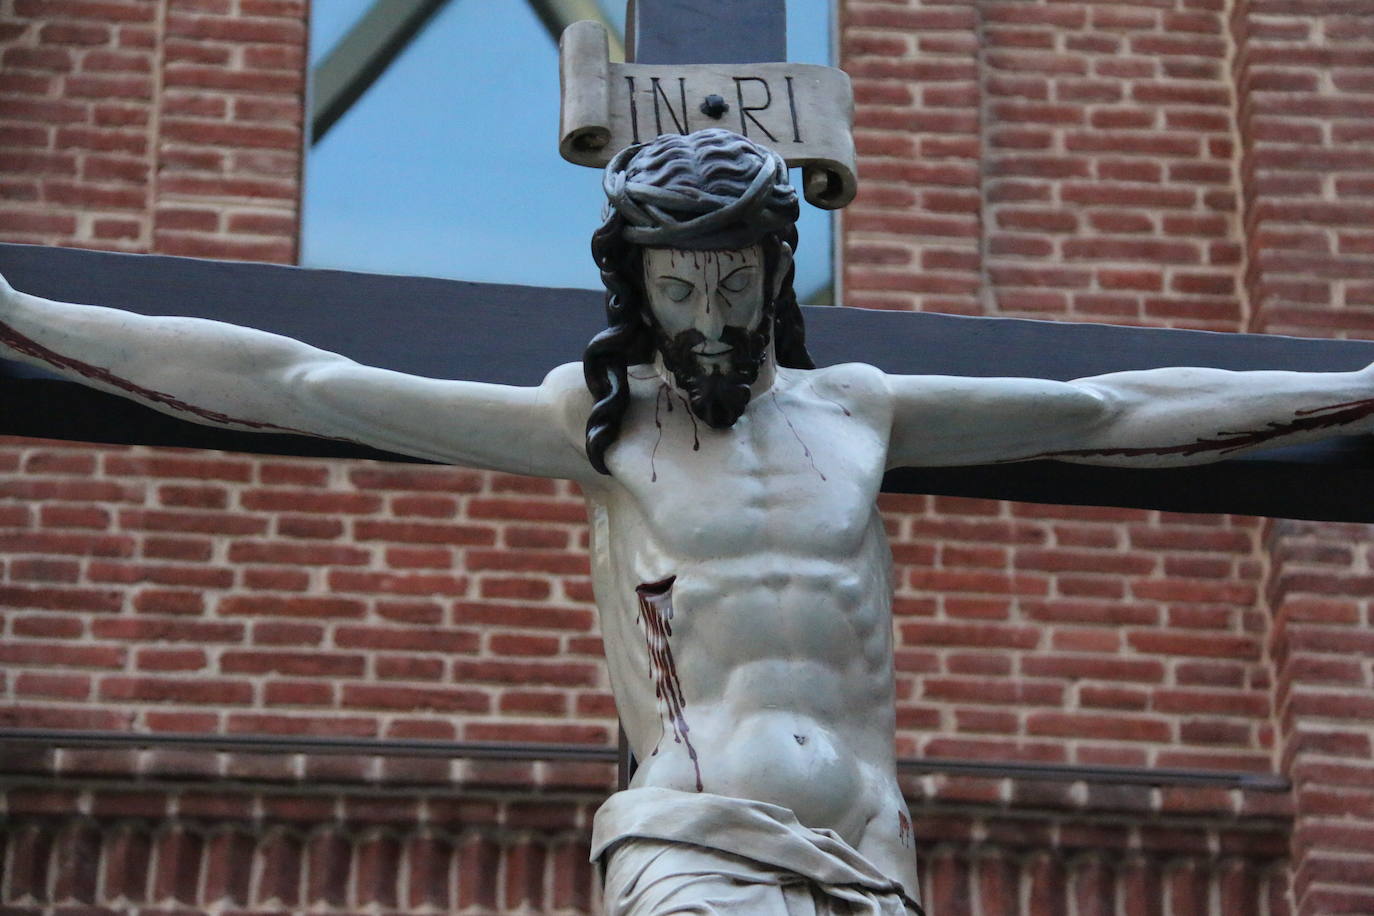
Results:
[739, 562]
[740, 566]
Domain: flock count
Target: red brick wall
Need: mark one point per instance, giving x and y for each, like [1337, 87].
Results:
[1030, 158]
[1079, 161]
[1305, 74]
[227, 593]
[1055, 160]
[170, 126]
[1068, 161]
[346, 846]
[158, 591]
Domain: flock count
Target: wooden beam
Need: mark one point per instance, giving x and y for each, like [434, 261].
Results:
[705, 31]
[515, 334]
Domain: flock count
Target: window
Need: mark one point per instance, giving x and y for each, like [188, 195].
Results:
[448, 165]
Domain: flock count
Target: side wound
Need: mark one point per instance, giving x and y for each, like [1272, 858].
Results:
[656, 615]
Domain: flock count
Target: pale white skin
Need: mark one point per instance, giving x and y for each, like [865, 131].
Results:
[781, 633]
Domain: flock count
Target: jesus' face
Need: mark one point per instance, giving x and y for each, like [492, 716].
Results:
[709, 310]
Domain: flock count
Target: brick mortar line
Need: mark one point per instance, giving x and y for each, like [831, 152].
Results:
[159, 56]
[306, 97]
[987, 214]
[1241, 219]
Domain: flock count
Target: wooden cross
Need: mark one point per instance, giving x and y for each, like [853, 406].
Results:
[513, 335]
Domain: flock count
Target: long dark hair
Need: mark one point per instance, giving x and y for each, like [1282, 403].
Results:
[629, 338]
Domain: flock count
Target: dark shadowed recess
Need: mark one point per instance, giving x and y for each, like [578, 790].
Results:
[515, 334]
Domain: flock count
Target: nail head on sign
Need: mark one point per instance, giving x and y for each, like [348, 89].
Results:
[714, 107]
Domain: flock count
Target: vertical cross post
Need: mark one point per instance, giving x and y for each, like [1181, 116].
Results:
[705, 31]
[697, 64]
[700, 32]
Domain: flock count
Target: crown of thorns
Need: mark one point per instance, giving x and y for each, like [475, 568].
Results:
[712, 189]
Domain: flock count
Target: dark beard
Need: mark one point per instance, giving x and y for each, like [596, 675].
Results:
[717, 398]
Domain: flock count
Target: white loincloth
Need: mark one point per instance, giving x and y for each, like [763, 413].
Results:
[676, 852]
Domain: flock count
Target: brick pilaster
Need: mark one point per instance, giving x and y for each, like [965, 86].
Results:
[1304, 73]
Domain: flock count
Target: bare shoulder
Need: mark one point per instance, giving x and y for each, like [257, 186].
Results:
[566, 382]
[854, 385]
[564, 394]
[566, 402]
[860, 378]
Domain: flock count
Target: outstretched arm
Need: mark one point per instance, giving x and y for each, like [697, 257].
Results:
[239, 378]
[1149, 418]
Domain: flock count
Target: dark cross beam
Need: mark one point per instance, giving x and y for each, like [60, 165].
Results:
[705, 31]
[515, 334]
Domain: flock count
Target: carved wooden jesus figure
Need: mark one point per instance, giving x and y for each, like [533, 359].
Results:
[740, 567]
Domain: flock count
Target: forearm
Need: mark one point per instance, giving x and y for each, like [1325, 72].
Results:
[202, 370]
[1152, 418]
[1169, 417]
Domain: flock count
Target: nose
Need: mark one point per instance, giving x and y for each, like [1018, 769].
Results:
[710, 318]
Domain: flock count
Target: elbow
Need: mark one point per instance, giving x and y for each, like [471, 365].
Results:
[301, 377]
[304, 383]
[1096, 407]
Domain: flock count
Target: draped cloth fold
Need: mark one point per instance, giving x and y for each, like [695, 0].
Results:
[669, 852]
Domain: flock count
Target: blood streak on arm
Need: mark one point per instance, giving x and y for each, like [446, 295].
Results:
[29, 347]
[1309, 420]
[656, 613]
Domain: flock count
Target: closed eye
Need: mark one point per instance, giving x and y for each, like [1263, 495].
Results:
[738, 280]
[676, 289]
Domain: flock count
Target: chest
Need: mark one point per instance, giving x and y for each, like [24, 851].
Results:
[796, 475]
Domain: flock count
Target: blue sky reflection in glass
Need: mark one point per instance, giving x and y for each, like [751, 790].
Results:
[448, 166]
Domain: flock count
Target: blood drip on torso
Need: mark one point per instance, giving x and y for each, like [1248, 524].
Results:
[656, 614]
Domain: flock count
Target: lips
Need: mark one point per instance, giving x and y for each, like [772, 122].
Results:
[715, 373]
